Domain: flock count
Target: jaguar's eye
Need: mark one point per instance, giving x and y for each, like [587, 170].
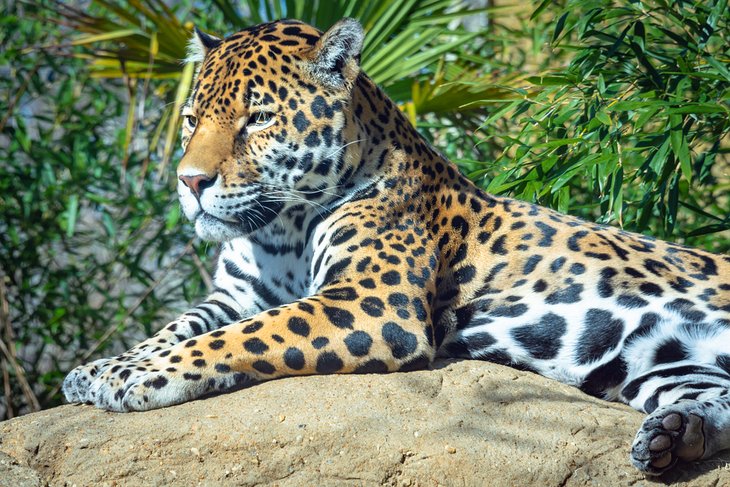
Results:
[190, 121]
[260, 120]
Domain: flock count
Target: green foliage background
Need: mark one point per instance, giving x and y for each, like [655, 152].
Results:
[616, 111]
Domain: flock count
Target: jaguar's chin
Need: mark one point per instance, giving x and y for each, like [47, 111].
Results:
[211, 228]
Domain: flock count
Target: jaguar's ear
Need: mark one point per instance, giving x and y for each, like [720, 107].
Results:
[199, 46]
[335, 58]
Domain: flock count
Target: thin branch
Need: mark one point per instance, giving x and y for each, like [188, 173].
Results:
[8, 331]
[131, 115]
[114, 328]
[9, 351]
[20, 376]
[8, 390]
[18, 95]
[204, 274]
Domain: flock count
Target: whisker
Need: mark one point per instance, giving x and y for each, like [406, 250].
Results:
[305, 194]
[292, 198]
[338, 150]
[278, 215]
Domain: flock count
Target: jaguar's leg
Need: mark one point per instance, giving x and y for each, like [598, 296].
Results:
[323, 334]
[688, 408]
[218, 310]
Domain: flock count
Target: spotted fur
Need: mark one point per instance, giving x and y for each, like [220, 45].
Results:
[349, 245]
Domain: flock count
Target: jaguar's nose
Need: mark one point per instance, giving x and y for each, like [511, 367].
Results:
[198, 183]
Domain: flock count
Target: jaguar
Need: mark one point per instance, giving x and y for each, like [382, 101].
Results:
[350, 245]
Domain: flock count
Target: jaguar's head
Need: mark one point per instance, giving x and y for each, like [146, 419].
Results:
[265, 126]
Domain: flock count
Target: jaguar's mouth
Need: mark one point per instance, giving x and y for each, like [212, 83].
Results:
[255, 216]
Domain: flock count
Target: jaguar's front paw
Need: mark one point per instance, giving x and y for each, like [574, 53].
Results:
[160, 389]
[144, 385]
[110, 389]
[77, 383]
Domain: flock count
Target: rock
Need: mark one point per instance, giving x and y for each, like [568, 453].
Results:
[463, 423]
[14, 475]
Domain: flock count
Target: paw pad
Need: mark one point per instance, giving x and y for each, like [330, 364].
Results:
[664, 438]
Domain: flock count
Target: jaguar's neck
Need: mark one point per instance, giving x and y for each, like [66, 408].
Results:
[379, 150]
[391, 147]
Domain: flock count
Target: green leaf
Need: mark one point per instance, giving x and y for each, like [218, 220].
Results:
[540, 8]
[71, 214]
[699, 108]
[549, 80]
[672, 205]
[639, 34]
[679, 145]
[645, 116]
[718, 66]
[559, 142]
[603, 118]
[615, 207]
[559, 26]
[183, 88]
[709, 229]
[106, 36]
[564, 200]
[173, 216]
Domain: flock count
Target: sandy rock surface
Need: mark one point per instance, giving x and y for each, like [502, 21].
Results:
[462, 424]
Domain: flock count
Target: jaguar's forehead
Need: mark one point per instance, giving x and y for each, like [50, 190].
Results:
[284, 36]
[249, 62]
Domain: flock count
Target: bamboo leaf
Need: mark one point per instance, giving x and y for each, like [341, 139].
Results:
[718, 66]
[603, 117]
[540, 8]
[679, 145]
[559, 26]
[71, 214]
[559, 142]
